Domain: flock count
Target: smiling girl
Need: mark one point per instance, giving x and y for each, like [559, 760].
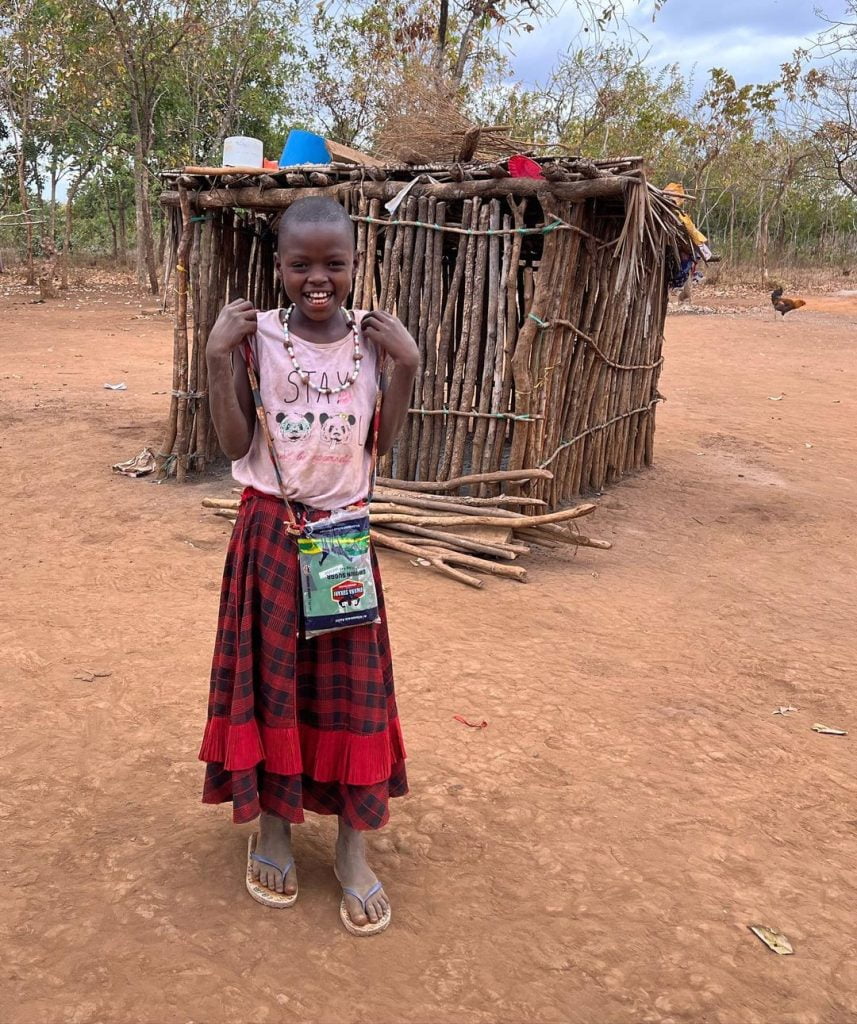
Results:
[297, 723]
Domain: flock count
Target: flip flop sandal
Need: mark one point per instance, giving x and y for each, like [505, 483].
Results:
[261, 893]
[369, 928]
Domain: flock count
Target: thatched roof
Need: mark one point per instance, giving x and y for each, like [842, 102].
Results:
[555, 169]
[650, 217]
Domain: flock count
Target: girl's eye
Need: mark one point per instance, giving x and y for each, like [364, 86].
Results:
[297, 266]
[337, 266]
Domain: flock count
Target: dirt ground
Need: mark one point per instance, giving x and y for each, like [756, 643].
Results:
[594, 856]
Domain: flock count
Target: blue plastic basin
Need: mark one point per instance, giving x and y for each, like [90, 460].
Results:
[304, 148]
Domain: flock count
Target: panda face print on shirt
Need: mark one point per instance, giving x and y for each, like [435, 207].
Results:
[318, 429]
[336, 428]
[335, 433]
[295, 428]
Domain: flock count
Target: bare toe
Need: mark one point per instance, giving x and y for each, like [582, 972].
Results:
[355, 911]
[354, 874]
[274, 845]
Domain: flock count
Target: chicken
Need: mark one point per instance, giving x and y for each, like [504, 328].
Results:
[783, 304]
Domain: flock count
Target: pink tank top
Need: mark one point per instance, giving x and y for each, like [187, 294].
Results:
[320, 439]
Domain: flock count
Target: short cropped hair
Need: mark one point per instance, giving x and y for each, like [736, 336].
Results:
[314, 210]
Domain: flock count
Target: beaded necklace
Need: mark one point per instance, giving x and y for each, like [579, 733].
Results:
[356, 355]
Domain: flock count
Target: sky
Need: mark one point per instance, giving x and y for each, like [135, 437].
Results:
[750, 38]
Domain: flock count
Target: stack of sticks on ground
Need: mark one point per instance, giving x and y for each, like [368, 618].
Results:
[453, 533]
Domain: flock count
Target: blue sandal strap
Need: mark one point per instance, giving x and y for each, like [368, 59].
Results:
[283, 870]
[363, 900]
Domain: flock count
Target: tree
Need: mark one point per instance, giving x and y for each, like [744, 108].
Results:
[601, 99]
[23, 73]
[355, 64]
[181, 74]
[831, 114]
[144, 36]
[237, 78]
[725, 117]
[826, 95]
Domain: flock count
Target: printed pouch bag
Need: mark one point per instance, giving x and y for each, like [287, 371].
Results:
[337, 582]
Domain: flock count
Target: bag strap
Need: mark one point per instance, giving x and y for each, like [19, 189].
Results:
[292, 526]
[376, 427]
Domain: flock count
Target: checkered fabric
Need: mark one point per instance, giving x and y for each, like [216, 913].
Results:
[296, 724]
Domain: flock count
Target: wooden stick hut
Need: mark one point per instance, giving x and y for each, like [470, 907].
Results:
[538, 306]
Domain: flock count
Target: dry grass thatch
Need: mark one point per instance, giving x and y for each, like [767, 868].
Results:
[427, 126]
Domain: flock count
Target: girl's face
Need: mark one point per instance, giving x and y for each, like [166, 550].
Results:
[316, 264]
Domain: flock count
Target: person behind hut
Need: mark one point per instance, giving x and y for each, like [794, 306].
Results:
[698, 244]
[299, 724]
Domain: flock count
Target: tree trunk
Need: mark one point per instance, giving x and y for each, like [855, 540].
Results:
[53, 196]
[123, 231]
[440, 43]
[162, 240]
[114, 240]
[66, 242]
[464, 49]
[151, 265]
[145, 255]
[139, 186]
[47, 271]
[762, 242]
[732, 228]
[74, 188]
[25, 207]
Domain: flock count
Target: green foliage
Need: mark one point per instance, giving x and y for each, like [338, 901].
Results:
[94, 91]
[351, 61]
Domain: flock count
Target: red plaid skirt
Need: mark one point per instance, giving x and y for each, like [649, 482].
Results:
[295, 724]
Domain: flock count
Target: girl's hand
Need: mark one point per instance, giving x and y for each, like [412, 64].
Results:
[390, 335]
[237, 321]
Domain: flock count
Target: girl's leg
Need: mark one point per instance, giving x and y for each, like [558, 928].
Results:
[275, 843]
[352, 870]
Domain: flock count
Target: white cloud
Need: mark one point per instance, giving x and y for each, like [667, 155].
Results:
[749, 38]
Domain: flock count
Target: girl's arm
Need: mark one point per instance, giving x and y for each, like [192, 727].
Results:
[390, 336]
[229, 397]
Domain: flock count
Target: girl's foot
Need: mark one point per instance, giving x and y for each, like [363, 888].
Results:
[353, 871]
[275, 844]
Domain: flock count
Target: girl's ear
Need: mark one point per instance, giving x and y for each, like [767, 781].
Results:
[277, 262]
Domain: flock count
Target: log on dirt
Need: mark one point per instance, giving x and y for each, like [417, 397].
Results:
[446, 534]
